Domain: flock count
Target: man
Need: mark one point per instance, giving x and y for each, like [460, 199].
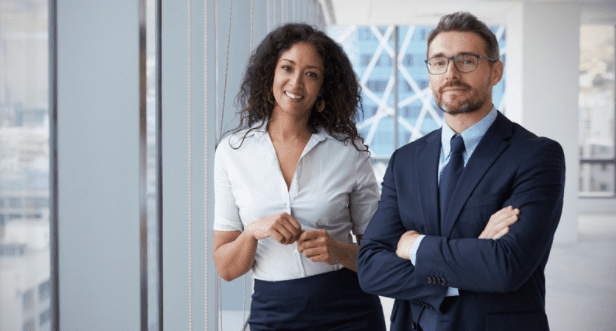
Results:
[432, 243]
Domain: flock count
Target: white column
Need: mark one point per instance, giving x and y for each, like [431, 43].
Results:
[542, 86]
[98, 164]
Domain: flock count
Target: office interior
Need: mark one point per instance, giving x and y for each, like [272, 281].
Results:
[132, 139]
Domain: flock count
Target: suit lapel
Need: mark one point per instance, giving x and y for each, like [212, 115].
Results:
[426, 171]
[490, 147]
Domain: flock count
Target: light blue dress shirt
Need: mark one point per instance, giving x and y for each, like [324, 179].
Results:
[471, 136]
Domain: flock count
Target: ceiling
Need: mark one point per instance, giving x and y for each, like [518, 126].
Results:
[428, 12]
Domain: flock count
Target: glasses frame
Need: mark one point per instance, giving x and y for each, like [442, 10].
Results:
[454, 62]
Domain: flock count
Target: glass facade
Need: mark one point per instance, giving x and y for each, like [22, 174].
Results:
[24, 166]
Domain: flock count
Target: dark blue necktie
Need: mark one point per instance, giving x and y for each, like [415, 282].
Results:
[451, 174]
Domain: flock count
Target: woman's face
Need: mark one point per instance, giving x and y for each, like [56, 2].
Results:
[297, 79]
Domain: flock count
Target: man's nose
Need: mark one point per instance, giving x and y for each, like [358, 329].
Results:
[452, 70]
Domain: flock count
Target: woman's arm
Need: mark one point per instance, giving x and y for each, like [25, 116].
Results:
[319, 246]
[234, 251]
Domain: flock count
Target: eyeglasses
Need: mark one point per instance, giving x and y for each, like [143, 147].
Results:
[464, 63]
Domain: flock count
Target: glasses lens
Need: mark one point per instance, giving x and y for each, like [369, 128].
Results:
[466, 63]
[437, 65]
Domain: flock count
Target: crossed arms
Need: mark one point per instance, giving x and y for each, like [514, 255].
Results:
[534, 184]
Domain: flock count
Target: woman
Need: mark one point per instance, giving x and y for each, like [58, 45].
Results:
[292, 183]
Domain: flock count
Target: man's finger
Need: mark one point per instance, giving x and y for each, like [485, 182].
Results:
[501, 233]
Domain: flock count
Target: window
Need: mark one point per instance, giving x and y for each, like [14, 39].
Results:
[384, 61]
[16, 203]
[45, 317]
[365, 59]
[24, 158]
[44, 291]
[376, 85]
[596, 102]
[407, 60]
[407, 87]
[28, 300]
[30, 325]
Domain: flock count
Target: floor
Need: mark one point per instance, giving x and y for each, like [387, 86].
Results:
[580, 281]
[581, 278]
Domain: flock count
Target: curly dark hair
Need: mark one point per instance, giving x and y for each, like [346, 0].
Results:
[340, 90]
[467, 22]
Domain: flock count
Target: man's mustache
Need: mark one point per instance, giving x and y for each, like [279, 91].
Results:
[455, 84]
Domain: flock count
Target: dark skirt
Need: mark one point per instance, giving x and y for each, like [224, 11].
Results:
[326, 302]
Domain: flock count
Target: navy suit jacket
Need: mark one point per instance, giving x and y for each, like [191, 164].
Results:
[501, 282]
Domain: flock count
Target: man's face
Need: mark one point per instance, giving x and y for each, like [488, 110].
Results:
[458, 92]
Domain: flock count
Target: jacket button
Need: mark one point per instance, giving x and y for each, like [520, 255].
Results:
[429, 280]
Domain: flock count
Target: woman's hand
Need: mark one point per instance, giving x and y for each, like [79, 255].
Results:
[282, 227]
[319, 246]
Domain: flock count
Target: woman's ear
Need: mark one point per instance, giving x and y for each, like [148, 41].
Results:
[321, 106]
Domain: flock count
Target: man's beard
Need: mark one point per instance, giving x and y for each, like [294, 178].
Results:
[472, 104]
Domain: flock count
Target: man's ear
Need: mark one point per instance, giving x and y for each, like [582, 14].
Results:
[497, 72]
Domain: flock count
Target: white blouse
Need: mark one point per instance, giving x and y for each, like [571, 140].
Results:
[334, 188]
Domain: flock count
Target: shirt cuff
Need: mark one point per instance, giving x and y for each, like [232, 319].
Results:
[414, 248]
[452, 292]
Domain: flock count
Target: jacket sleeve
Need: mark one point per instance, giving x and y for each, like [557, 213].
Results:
[380, 270]
[505, 264]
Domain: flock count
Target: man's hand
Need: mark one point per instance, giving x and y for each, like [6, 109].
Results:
[406, 242]
[499, 223]
[319, 246]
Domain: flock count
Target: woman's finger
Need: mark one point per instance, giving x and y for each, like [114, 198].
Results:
[285, 235]
[306, 244]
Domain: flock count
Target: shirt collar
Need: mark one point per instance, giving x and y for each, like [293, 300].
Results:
[471, 136]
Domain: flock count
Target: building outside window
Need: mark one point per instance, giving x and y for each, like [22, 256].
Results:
[24, 166]
[596, 102]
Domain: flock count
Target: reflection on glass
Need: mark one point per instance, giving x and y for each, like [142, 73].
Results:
[24, 166]
[598, 178]
[596, 93]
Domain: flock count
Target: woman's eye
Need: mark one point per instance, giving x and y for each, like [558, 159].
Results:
[312, 74]
[286, 68]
